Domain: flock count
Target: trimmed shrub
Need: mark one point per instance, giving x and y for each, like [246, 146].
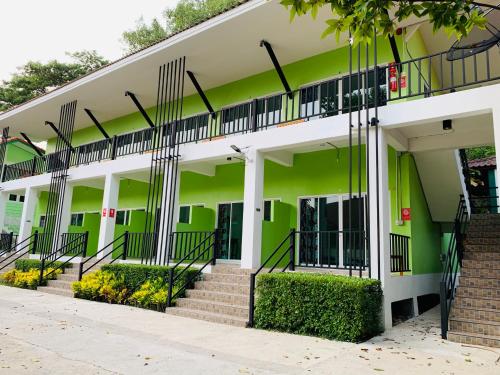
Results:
[151, 295]
[137, 274]
[101, 286]
[29, 279]
[330, 306]
[34, 264]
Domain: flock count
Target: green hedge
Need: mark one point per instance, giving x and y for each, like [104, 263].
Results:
[25, 265]
[136, 274]
[334, 307]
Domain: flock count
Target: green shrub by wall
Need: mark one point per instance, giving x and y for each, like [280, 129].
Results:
[137, 274]
[334, 307]
[25, 265]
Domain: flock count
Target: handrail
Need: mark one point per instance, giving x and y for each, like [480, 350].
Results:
[18, 248]
[290, 251]
[123, 237]
[82, 249]
[172, 277]
[452, 264]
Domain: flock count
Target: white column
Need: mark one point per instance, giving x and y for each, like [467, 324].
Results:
[253, 212]
[109, 201]
[28, 215]
[3, 203]
[167, 204]
[496, 131]
[381, 244]
[65, 213]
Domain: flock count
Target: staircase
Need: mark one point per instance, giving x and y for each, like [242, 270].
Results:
[475, 314]
[62, 286]
[221, 297]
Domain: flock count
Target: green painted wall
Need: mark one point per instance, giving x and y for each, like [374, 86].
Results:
[425, 243]
[274, 231]
[13, 212]
[316, 68]
[17, 152]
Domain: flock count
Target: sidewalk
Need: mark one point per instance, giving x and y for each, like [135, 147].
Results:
[42, 334]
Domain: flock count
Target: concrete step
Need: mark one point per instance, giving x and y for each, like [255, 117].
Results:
[477, 303]
[230, 298]
[485, 218]
[475, 314]
[231, 269]
[57, 291]
[482, 255]
[67, 277]
[223, 287]
[474, 339]
[227, 278]
[60, 284]
[480, 248]
[210, 317]
[489, 264]
[240, 311]
[482, 327]
[475, 292]
[481, 272]
[478, 282]
[472, 240]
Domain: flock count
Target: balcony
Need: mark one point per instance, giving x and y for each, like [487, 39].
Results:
[425, 76]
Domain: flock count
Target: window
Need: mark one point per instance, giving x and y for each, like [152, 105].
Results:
[358, 90]
[42, 222]
[319, 100]
[21, 198]
[12, 197]
[77, 220]
[184, 214]
[267, 210]
[269, 110]
[123, 217]
[235, 119]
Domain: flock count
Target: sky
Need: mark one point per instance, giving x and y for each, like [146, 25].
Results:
[45, 30]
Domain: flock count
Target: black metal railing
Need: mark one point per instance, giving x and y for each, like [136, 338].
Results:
[182, 244]
[76, 246]
[324, 99]
[7, 242]
[452, 264]
[19, 250]
[281, 258]
[205, 252]
[117, 247]
[400, 253]
[332, 249]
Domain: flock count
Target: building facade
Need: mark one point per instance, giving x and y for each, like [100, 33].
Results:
[266, 149]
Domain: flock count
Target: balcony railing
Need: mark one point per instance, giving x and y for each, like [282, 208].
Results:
[400, 256]
[320, 100]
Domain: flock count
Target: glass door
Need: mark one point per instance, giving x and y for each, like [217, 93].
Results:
[319, 231]
[354, 241]
[230, 221]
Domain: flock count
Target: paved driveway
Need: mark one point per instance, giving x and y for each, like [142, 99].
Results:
[46, 334]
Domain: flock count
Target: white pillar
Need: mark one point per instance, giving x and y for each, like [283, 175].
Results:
[496, 132]
[167, 204]
[3, 203]
[380, 245]
[109, 202]
[253, 210]
[28, 215]
[65, 213]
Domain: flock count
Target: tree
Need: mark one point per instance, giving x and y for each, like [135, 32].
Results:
[359, 16]
[186, 13]
[36, 78]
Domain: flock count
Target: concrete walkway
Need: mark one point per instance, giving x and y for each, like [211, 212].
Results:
[47, 334]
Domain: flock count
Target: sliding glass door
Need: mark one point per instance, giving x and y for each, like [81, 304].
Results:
[230, 221]
[331, 232]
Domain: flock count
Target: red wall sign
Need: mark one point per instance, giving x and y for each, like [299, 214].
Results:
[111, 212]
[104, 212]
[406, 214]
